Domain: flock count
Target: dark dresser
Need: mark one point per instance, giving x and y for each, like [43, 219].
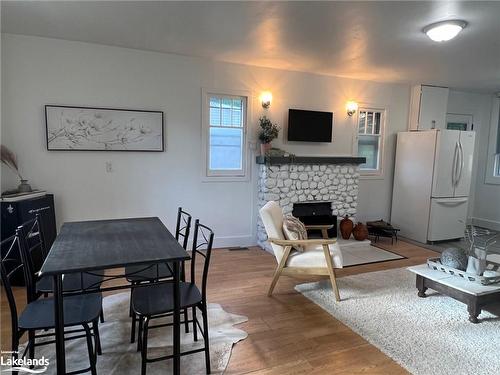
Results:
[16, 213]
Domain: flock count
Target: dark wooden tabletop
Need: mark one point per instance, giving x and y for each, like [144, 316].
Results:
[105, 244]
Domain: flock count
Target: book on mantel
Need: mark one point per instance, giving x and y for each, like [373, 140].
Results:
[21, 196]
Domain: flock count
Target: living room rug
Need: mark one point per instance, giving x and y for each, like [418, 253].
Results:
[424, 335]
[120, 357]
[354, 256]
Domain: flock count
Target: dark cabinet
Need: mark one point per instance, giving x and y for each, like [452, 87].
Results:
[17, 213]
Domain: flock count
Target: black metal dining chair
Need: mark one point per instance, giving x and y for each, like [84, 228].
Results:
[156, 300]
[38, 315]
[31, 233]
[148, 274]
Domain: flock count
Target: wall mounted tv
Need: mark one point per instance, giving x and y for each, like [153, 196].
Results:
[309, 126]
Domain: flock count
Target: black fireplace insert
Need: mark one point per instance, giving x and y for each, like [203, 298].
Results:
[316, 213]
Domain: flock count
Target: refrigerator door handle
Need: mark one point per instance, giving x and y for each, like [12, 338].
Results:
[454, 166]
[451, 201]
[461, 156]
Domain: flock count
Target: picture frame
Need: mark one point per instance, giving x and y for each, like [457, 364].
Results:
[77, 128]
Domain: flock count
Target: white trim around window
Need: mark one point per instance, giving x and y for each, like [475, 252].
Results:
[362, 130]
[493, 162]
[228, 170]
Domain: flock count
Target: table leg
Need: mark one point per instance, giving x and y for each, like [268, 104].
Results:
[421, 286]
[474, 311]
[177, 321]
[59, 325]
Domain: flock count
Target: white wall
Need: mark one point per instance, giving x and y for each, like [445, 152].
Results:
[38, 71]
[485, 206]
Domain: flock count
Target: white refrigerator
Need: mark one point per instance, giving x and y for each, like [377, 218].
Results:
[432, 179]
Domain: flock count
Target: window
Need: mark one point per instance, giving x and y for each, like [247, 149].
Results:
[370, 140]
[493, 163]
[225, 119]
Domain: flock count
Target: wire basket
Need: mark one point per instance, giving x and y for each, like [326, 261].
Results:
[482, 241]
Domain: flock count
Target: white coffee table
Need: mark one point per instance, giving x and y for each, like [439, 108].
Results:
[475, 296]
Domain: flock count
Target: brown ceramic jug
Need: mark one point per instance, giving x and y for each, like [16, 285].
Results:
[346, 226]
[360, 232]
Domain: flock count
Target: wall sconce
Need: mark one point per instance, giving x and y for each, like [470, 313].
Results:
[266, 98]
[351, 107]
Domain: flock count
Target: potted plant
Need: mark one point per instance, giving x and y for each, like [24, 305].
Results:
[9, 159]
[268, 132]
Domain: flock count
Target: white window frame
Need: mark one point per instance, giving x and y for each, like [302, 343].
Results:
[209, 175]
[374, 174]
[493, 161]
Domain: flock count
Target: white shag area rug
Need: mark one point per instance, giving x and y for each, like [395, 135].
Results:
[119, 356]
[427, 336]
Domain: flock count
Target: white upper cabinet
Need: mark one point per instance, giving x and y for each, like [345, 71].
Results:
[428, 107]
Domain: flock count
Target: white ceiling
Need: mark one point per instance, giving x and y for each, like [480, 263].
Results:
[380, 41]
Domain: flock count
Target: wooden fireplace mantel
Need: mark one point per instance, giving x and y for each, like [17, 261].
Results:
[277, 160]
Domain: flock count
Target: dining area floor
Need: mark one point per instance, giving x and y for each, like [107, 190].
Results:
[287, 333]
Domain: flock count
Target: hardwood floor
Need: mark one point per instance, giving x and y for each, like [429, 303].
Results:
[287, 334]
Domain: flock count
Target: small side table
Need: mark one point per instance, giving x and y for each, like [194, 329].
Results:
[475, 296]
[382, 229]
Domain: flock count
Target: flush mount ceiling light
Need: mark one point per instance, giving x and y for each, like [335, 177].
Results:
[445, 30]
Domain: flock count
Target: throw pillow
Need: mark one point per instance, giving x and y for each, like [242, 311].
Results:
[294, 229]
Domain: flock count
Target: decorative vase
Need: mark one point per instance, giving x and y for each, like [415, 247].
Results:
[264, 148]
[346, 226]
[476, 266]
[360, 232]
[24, 187]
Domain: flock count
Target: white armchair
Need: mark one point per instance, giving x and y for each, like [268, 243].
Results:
[320, 256]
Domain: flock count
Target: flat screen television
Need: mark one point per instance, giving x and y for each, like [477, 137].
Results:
[309, 126]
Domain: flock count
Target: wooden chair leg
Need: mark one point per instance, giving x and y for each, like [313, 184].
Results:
[278, 270]
[331, 272]
[276, 276]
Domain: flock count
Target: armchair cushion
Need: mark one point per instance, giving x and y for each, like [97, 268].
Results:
[313, 256]
[272, 218]
[294, 229]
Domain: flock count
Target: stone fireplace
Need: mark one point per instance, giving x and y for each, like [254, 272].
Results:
[288, 180]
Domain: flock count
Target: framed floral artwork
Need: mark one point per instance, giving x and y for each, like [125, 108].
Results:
[103, 129]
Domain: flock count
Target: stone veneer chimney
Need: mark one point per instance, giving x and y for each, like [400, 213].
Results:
[308, 179]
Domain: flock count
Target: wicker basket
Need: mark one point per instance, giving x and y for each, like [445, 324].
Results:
[435, 264]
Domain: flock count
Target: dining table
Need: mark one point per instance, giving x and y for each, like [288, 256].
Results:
[96, 246]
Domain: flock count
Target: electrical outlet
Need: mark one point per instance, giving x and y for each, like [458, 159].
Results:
[109, 167]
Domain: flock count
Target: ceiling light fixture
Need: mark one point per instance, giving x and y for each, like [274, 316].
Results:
[444, 30]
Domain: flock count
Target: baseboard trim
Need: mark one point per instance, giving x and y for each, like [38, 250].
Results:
[231, 241]
[490, 224]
